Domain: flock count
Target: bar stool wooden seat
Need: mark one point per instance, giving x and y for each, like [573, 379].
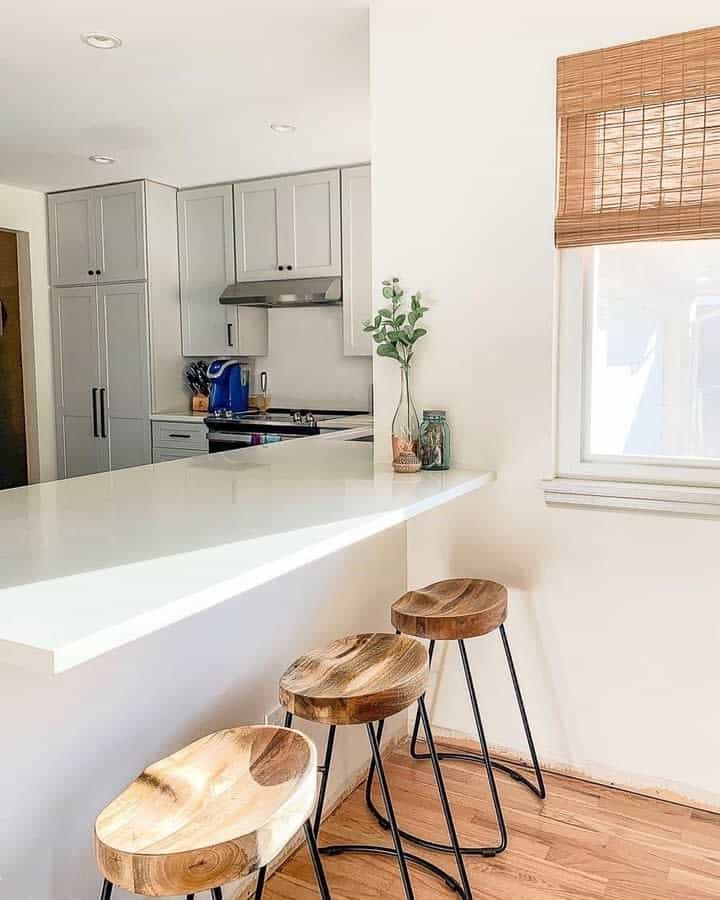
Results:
[360, 680]
[219, 809]
[455, 610]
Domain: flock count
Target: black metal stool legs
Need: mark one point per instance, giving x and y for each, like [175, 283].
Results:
[397, 851]
[484, 758]
[106, 889]
[316, 863]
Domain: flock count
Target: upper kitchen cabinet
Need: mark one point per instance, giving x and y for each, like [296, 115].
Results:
[97, 235]
[357, 277]
[260, 219]
[121, 232]
[205, 228]
[73, 237]
[288, 227]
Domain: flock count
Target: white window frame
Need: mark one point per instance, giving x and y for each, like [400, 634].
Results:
[579, 478]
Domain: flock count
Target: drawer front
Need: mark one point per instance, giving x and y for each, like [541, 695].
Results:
[180, 435]
[162, 454]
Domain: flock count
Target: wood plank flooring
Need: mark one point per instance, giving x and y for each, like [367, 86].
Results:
[582, 843]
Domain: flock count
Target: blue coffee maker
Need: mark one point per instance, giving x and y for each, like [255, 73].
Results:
[229, 386]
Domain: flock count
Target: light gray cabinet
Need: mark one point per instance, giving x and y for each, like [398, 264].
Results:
[357, 274]
[207, 266]
[102, 377]
[121, 232]
[73, 237]
[81, 448]
[97, 235]
[117, 336]
[261, 217]
[288, 227]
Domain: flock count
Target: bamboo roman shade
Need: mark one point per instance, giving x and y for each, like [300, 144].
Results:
[639, 141]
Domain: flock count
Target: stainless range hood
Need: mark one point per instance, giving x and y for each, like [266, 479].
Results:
[291, 293]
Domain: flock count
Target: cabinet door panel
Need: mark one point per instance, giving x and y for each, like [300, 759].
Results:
[81, 449]
[124, 328]
[72, 230]
[84, 454]
[125, 355]
[315, 224]
[130, 443]
[205, 227]
[356, 252]
[261, 244]
[121, 233]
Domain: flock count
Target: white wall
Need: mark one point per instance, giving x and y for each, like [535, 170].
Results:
[614, 615]
[25, 212]
[305, 364]
[73, 741]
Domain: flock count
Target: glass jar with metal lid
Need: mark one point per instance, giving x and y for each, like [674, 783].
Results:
[434, 440]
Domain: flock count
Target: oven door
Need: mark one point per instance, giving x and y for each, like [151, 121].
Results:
[219, 441]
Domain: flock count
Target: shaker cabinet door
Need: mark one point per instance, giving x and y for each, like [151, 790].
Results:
[73, 237]
[357, 277]
[125, 363]
[121, 232]
[78, 378]
[205, 229]
[314, 201]
[261, 230]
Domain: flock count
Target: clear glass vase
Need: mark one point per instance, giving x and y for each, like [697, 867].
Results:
[405, 424]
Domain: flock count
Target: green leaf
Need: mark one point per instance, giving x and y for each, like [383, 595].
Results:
[418, 333]
[386, 281]
[378, 320]
[412, 318]
[378, 338]
[399, 320]
[386, 313]
[387, 292]
[398, 291]
[388, 350]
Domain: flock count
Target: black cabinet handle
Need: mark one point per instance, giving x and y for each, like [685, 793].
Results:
[94, 412]
[289, 268]
[90, 272]
[280, 268]
[98, 272]
[229, 328]
[103, 424]
[180, 436]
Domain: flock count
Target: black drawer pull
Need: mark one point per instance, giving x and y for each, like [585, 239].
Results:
[180, 435]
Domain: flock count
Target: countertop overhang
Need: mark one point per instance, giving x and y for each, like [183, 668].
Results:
[90, 564]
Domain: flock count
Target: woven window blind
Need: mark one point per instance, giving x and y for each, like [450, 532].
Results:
[639, 141]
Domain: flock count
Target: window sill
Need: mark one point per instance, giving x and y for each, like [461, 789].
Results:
[666, 498]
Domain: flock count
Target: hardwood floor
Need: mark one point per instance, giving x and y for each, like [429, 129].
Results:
[583, 842]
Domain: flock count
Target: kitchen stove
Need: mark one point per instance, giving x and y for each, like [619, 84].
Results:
[228, 430]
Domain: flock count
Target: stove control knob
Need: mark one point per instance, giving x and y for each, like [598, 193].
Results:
[297, 417]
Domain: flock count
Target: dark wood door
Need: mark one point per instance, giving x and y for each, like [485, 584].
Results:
[13, 454]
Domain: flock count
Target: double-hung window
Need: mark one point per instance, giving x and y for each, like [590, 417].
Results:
[638, 238]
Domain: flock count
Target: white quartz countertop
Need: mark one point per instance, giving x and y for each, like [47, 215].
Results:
[181, 416]
[89, 564]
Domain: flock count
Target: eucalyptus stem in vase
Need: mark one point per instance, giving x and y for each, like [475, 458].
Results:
[396, 332]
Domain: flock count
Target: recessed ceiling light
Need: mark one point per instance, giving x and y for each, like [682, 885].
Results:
[282, 129]
[100, 41]
[101, 160]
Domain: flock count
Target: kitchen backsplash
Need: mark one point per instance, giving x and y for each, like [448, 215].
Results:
[306, 365]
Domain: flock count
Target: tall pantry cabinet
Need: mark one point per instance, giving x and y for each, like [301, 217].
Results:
[116, 321]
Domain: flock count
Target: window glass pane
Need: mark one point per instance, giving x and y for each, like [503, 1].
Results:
[654, 362]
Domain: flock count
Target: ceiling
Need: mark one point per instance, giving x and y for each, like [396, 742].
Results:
[189, 97]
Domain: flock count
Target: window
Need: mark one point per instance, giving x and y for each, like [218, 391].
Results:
[638, 232]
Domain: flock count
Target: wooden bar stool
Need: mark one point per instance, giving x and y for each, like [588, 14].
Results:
[455, 610]
[360, 680]
[219, 809]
